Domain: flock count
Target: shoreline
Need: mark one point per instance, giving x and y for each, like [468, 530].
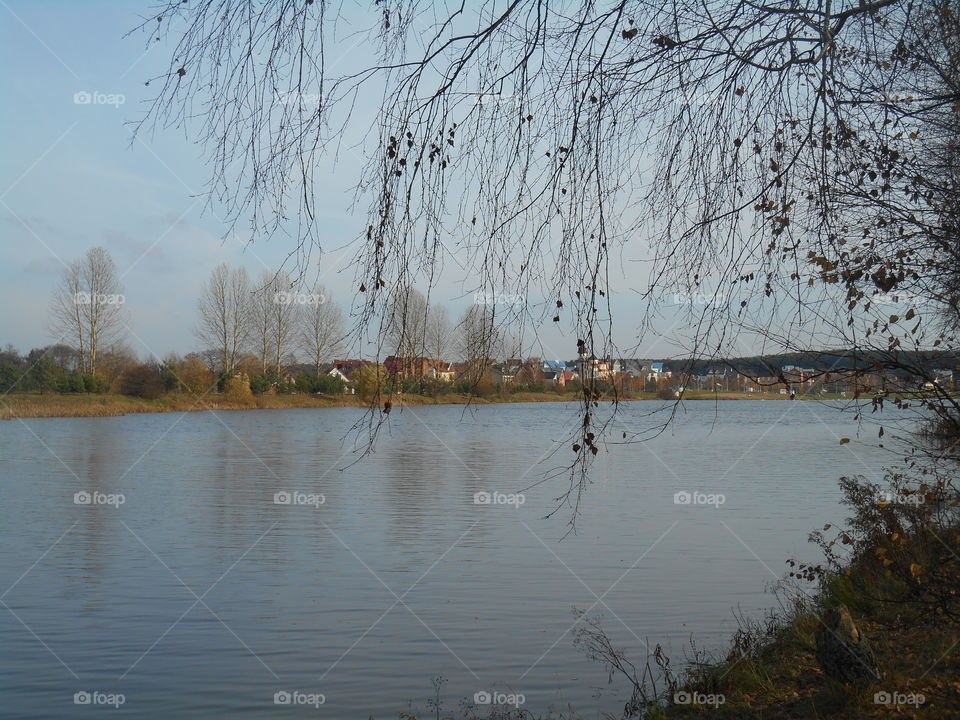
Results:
[35, 405]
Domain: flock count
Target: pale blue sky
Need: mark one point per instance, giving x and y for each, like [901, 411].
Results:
[71, 180]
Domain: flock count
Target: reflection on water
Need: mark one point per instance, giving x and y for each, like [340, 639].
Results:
[201, 596]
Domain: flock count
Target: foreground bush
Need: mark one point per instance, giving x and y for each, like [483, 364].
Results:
[895, 567]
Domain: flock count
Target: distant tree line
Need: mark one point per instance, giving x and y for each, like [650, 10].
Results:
[838, 362]
[260, 330]
[269, 332]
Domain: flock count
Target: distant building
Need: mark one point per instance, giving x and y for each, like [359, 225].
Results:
[553, 366]
[504, 372]
[799, 379]
[592, 367]
[631, 367]
[335, 372]
[762, 383]
[448, 372]
[348, 367]
[657, 372]
[558, 372]
[412, 368]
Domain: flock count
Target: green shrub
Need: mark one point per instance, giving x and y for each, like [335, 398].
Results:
[75, 383]
[95, 384]
[412, 386]
[534, 387]
[260, 383]
[145, 381]
[322, 383]
[10, 377]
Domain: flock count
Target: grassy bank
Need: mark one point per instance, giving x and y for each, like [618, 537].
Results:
[781, 677]
[97, 405]
[103, 405]
[902, 587]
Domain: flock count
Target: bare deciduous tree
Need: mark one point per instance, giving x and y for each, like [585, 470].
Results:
[322, 330]
[478, 341]
[286, 314]
[261, 319]
[87, 308]
[224, 307]
[438, 332]
[406, 324]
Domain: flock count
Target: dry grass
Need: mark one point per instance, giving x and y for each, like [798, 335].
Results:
[35, 405]
[30, 405]
[82, 405]
[53, 405]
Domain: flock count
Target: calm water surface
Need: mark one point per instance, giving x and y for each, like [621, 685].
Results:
[201, 596]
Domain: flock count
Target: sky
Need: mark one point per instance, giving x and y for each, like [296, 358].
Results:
[74, 177]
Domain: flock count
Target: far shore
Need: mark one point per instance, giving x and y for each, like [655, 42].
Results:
[37, 405]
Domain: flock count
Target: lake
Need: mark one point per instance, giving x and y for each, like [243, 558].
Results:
[247, 564]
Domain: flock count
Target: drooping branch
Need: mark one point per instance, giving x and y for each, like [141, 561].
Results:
[797, 156]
